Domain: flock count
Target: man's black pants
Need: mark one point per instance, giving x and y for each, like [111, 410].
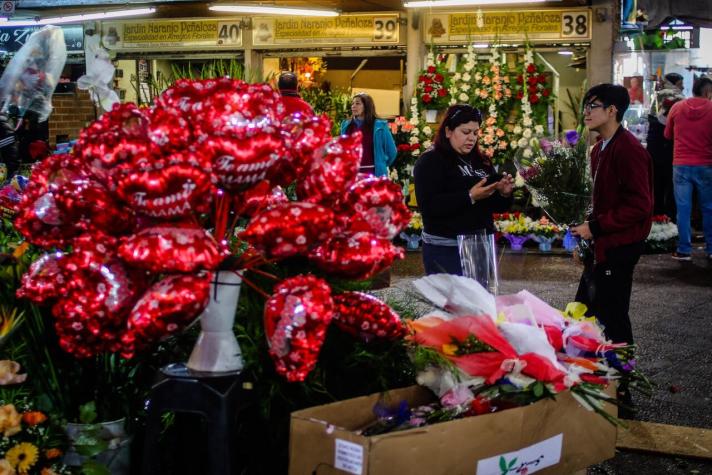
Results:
[605, 289]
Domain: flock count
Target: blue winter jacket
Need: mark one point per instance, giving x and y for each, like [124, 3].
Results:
[384, 148]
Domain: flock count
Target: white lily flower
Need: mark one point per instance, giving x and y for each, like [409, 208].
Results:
[463, 97]
[527, 122]
[527, 133]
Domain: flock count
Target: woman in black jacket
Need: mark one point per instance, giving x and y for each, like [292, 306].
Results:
[457, 189]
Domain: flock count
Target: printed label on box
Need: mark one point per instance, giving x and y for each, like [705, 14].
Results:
[524, 461]
[348, 457]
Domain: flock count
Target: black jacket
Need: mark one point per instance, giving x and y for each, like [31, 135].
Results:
[442, 185]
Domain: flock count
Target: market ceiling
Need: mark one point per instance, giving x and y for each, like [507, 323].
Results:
[187, 8]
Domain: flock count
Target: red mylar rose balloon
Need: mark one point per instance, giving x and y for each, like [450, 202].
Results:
[245, 102]
[170, 188]
[171, 249]
[258, 198]
[366, 317]
[289, 229]
[375, 205]
[241, 163]
[329, 175]
[297, 316]
[170, 130]
[167, 307]
[303, 138]
[360, 256]
[44, 279]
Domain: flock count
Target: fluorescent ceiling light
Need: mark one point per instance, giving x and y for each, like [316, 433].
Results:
[566, 53]
[271, 10]
[463, 3]
[480, 45]
[80, 18]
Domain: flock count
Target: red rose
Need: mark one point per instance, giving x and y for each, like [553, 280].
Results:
[439, 77]
[421, 78]
[520, 79]
[545, 93]
[426, 98]
[431, 69]
[519, 94]
[404, 147]
[428, 80]
[533, 98]
[442, 92]
[532, 89]
[541, 78]
[531, 80]
[531, 68]
[415, 146]
[428, 88]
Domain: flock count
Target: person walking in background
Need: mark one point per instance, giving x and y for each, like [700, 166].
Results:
[457, 190]
[689, 123]
[379, 148]
[288, 85]
[660, 148]
[9, 154]
[621, 216]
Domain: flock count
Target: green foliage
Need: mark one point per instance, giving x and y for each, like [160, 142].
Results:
[335, 103]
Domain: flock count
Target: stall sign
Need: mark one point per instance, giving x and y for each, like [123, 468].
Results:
[178, 34]
[14, 38]
[374, 29]
[551, 24]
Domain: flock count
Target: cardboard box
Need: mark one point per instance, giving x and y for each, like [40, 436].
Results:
[548, 437]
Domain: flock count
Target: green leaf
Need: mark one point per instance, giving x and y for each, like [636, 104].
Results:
[92, 467]
[87, 412]
[538, 389]
[512, 462]
[503, 465]
[90, 446]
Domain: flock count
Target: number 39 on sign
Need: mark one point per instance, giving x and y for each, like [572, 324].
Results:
[575, 25]
[385, 29]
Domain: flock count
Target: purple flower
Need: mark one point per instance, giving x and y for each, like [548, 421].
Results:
[545, 145]
[572, 137]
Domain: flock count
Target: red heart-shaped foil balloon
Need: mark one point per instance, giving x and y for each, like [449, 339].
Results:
[366, 317]
[329, 175]
[297, 316]
[303, 138]
[171, 188]
[258, 198]
[289, 229]
[166, 308]
[44, 279]
[171, 249]
[360, 256]
[375, 205]
[241, 163]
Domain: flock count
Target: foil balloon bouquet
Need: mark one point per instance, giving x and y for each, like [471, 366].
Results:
[139, 227]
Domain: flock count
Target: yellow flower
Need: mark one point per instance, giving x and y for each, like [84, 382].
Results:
[20, 250]
[22, 456]
[449, 350]
[9, 420]
[6, 468]
[8, 373]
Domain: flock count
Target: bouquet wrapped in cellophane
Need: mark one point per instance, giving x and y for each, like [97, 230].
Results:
[558, 177]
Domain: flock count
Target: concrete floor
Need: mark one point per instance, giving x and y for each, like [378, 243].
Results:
[671, 312]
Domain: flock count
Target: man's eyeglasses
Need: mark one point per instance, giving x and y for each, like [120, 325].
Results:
[591, 106]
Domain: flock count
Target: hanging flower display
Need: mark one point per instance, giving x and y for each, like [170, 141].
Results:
[433, 86]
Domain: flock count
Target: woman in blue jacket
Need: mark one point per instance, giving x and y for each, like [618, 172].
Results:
[379, 149]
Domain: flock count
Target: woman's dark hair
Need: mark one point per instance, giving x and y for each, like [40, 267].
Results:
[287, 83]
[369, 108]
[673, 78]
[610, 95]
[701, 86]
[456, 115]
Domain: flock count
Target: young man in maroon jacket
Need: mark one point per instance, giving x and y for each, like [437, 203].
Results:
[622, 211]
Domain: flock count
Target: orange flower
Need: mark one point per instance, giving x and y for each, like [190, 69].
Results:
[6, 468]
[52, 453]
[9, 420]
[33, 418]
[48, 471]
